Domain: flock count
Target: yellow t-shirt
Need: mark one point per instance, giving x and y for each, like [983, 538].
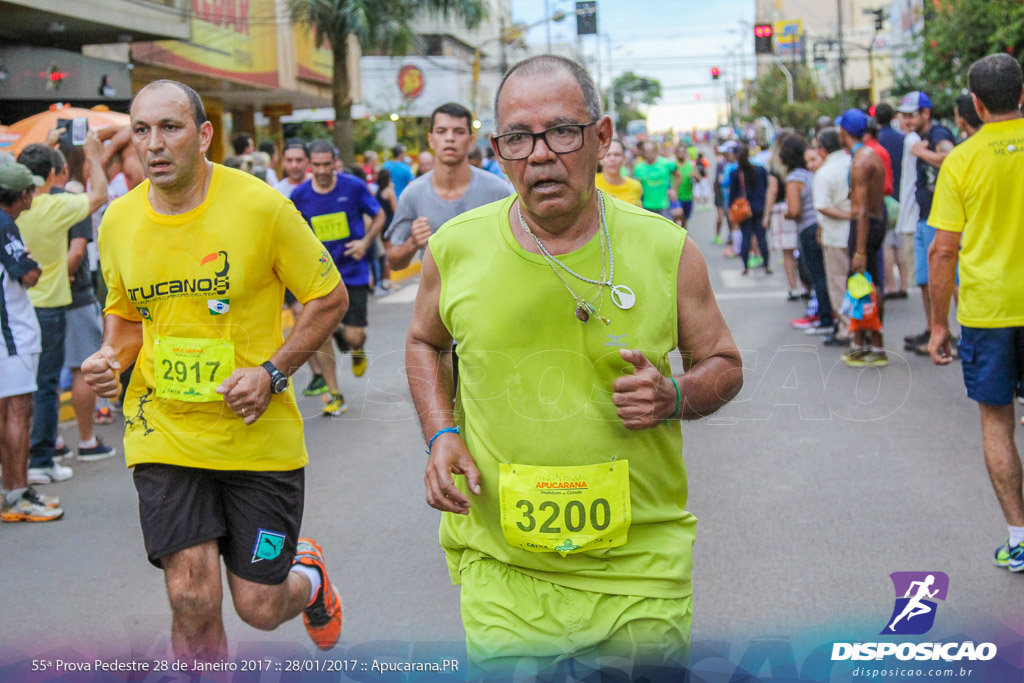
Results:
[630, 191]
[217, 272]
[44, 228]
[979, 194]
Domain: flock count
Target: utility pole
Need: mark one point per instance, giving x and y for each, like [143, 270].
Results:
[842, 53]
[611, 83]
[879, 17]
[547, 25]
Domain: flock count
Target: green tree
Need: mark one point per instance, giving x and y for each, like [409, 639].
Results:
[769, 98]
[381, 26]
[956, 34]
[631, 92]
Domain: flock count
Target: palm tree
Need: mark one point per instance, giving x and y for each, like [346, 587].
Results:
[385, 26]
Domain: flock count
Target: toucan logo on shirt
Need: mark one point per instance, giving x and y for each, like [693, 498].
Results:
[168, 289]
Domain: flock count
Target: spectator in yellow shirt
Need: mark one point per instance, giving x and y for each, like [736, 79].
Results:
[978, 211]
[44, 227]
[611, 181]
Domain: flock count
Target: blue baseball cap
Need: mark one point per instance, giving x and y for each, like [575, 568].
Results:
[914, 101]
[854, 122]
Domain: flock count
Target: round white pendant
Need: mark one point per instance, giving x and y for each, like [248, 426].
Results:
[623, 297]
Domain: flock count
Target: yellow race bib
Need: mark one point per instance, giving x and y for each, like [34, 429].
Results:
[565, 509]
[192, 369]
[331, 226]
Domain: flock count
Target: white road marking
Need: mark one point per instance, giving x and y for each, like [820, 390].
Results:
[405, 295]
[779, 294]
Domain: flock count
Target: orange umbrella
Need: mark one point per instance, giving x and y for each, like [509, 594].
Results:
[36, 128]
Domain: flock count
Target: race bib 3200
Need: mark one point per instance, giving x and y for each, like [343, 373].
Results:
[565, 509]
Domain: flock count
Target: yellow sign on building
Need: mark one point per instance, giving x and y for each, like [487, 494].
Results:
[314, 63]
[788, 35]
[231, 39]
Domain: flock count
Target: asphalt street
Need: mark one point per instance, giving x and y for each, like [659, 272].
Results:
[814, 485]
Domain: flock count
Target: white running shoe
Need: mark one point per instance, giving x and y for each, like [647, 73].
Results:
[48, 475]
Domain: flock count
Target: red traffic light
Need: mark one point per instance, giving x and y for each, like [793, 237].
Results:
[763, 31]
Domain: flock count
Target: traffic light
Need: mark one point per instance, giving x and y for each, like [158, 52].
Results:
[586, 17]
[715, 73]
[763, 39]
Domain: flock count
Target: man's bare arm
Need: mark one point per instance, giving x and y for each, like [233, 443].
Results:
[318, 319]
[76, 252]
[942, 258]
[122, 340]
[124, 337]
[427, 348]
[714, 367]
[97, 191]
[428, 367]
[859, 172]
[942, 150]
[376, 227]
[400, 255]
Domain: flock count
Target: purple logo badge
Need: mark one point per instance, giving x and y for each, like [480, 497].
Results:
[916, 592]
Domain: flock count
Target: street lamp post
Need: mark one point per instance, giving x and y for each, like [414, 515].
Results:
[789, 79]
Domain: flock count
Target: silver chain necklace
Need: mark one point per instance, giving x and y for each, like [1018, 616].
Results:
[622, 296]
[548, 255]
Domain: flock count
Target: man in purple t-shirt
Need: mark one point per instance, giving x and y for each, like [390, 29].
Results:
[334, 204]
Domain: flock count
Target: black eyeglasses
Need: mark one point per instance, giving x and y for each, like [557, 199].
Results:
[562, 139]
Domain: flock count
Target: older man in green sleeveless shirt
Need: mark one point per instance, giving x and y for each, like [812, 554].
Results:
[559, 464]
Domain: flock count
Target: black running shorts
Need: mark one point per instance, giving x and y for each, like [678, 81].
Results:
[254, 516]
[356, 315]
[876, 238]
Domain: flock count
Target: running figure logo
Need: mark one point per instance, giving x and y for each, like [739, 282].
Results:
[914, 612]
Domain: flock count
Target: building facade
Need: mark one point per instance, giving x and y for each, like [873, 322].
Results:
[244, 57]
[49, 53]
[808, 33]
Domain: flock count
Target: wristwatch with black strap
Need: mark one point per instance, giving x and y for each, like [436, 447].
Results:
[278, 380]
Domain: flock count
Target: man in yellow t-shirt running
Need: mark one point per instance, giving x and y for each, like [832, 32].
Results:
[978, 211]
[566, 526]
[196, 260]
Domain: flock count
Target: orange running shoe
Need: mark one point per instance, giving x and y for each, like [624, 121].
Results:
[322, 616]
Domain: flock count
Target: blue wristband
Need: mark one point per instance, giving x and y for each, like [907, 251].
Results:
[446, 430]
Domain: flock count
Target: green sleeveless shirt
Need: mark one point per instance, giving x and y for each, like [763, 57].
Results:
[535, 389]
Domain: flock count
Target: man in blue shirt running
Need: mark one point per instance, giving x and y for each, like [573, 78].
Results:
[334, 204]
